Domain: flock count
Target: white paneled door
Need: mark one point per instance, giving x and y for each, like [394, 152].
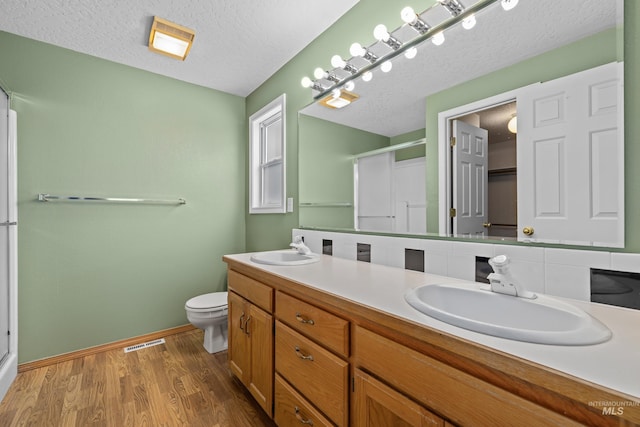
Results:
[570, 159]
[470, 180]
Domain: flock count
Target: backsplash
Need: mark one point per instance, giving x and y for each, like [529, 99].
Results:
[561, 272]
[615, 288]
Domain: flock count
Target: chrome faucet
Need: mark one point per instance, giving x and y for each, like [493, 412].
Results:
[502, 282]
[300, 246]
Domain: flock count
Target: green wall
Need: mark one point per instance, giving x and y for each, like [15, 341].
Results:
[95, 273]
[413, 152]
[326, 157]
[271, 231]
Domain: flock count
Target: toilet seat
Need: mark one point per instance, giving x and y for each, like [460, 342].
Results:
[215, 301]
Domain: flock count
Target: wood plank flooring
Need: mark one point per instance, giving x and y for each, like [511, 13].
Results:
[172, 384]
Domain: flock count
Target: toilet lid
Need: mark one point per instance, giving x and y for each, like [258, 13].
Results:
[212, 300]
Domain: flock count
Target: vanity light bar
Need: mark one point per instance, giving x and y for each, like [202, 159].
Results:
[453, 6]
[425, 32]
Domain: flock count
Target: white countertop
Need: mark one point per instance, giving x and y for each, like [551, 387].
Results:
[614, 364]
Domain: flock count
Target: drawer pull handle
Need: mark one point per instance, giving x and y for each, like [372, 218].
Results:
[242, 322]
[301, 319]
[302, 420]
[303, 356]
[246, 325]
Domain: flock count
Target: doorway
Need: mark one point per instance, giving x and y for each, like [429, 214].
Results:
[495, 206]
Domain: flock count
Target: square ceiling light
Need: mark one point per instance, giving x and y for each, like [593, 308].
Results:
[338, 99]
[170, 39]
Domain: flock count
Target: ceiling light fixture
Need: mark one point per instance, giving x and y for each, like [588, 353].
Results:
[469, 23]
[411, 53]
[409, 16]
[438, 38]
[509, 4]
[338, 99]
[380, 32]
[168, 38]
[453, 6]
[337, 79]
[356, 49]
[338, 62]
[512, 125]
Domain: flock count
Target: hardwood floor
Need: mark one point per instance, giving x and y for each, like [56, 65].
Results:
[172, 384]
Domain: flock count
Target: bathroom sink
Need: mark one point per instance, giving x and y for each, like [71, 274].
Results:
[543, 320]
[284, 257]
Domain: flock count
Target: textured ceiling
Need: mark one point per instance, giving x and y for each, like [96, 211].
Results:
[238, 43]
[394, 103]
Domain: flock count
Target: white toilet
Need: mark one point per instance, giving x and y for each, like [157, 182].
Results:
[209, 313]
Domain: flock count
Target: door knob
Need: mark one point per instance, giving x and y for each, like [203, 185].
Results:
[528, 231]
[486, 224]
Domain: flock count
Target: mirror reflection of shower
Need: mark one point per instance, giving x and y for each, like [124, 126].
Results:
[390, 191]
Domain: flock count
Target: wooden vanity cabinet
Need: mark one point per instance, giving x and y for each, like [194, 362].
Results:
[293, 410]
[372, 369]
[376, 405]
[310, 348]
[449, 392]
[250, 352]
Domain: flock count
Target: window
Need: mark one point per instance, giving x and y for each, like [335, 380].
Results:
[267, 178]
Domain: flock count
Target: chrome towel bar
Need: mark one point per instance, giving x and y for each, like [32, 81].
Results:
[50, 198]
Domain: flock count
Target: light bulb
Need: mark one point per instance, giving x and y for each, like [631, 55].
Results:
[411, 52]
[438, 38]
[469, 22]
[349, 85]
[513, 124]
[335, 94]
[509, 4]
[386, 66]
[408, 15]
[306, 82]
[337, 61]
[356, 49]
[367, 76]
[318, 73]
[380, 33]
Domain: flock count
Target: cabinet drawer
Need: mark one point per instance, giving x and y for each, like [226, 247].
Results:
[318, 374]
[456, 395]
[252, 290]
[321, 326]
[293, 410]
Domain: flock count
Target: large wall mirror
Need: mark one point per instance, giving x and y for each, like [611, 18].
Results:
[554, 67]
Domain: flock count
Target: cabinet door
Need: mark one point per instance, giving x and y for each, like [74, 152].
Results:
[239, 350]
[258, 329]
[378, 405]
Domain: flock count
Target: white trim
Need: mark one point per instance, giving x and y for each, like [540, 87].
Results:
[276, 106]
[9, 369]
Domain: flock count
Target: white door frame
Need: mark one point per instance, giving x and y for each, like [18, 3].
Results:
[444, 153]
[9, 367]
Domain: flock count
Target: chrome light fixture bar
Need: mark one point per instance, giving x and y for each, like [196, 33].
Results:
[453, 6]
[425, 32]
